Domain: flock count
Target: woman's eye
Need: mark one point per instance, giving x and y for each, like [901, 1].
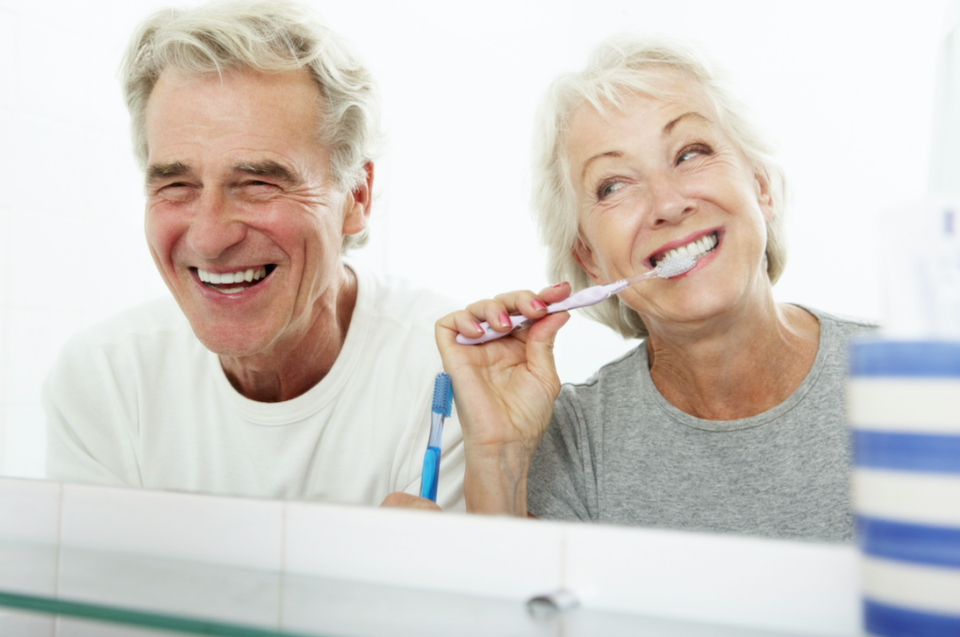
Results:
[691, 152]
[607, 189]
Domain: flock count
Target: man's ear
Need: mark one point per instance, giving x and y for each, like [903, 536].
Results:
[583, 255]
[357, 212]
[764, 198]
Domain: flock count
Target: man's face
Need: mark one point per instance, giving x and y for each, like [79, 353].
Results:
[239, 191]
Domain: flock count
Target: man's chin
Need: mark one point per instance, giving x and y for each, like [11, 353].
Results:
[227, 341]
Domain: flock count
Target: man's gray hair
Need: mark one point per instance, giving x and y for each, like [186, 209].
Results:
[620, 66]
[268, 36]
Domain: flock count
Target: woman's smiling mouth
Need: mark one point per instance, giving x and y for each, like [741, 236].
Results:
[696, 248]
[234, 282]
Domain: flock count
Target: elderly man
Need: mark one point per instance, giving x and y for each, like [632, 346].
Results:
[284, 372]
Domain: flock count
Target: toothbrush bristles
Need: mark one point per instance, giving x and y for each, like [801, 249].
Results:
[675, 266]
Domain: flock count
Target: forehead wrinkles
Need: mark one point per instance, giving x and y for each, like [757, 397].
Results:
[288, 102]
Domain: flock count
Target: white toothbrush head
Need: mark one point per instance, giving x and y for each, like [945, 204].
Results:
[675, 266]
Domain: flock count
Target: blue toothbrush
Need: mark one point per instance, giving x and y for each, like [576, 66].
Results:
[442, 403]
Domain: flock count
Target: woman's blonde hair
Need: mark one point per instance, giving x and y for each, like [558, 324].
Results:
[621, 65]
[268, 36]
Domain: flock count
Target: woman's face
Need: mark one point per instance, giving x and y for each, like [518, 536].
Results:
[660, 175]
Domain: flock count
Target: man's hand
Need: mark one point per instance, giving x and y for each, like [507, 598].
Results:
[504, 391]
[402, 500]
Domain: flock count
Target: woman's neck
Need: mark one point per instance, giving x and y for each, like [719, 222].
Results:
[742, 368]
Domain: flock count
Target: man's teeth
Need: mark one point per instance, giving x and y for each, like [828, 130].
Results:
[694, 249]
[232, 277]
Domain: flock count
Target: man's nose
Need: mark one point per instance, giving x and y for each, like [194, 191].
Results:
[670, 204]
[216, 225]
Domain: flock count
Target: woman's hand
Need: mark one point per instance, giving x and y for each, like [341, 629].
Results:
[504, 391]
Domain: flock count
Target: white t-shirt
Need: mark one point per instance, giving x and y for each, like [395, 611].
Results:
[139, 401]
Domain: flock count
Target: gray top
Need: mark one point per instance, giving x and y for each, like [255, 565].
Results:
[617, 452]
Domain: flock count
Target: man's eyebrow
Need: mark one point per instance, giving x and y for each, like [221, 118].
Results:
[165, 171]
[676, 120]
[269, 168]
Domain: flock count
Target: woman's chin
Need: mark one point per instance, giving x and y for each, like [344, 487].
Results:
[692, 311]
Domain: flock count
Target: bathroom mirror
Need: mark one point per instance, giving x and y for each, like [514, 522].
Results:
[846, 88]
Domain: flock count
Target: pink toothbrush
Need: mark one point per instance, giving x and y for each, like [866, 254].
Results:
[591, 296]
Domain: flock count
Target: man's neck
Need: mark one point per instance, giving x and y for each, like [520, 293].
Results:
[294, 367]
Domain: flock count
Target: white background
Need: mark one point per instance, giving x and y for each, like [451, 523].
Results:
[846, 88]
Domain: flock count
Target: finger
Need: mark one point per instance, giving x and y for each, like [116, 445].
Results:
[555, 293]
[465, 323]
[399, 500]
[523, 302]
[494, 312]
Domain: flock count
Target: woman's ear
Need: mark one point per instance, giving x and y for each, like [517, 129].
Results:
[764, 198]
[583, 255]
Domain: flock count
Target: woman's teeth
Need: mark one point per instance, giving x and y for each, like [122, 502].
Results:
[694, 249]
[232, 277]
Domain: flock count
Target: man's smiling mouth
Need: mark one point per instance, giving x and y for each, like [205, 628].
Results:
[234, 282]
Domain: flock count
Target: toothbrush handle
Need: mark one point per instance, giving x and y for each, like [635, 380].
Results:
[583, 298]
[519, 322]
[431, 474]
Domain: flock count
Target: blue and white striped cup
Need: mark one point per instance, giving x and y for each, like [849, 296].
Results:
[903, 405]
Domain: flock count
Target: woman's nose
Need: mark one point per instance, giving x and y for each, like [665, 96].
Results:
[670, 204]
[215, 225]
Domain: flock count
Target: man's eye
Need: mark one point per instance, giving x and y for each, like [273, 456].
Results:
[177, 190]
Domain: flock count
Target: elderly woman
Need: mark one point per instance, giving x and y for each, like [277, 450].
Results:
[729, 416]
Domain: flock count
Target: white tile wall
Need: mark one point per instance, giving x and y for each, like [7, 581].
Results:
[30, 511]
[72, 251]
[24, 446]
[171, 586]
[223, 559]
[43, 173]
[211, 530]
[49, 273]
[335, 607]
[112, 184]
[33, 341]
[27, 624]
[29, 528]
[720, 579]
[8, 21]
[4, 252]
[424, 551]
[61, 93]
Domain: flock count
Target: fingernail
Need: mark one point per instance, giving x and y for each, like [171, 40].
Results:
[538, 304]
[477, 326]
[560, 285]
[504, 319]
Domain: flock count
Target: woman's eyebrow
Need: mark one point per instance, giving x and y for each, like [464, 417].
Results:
[676, 120]
[586, 164]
